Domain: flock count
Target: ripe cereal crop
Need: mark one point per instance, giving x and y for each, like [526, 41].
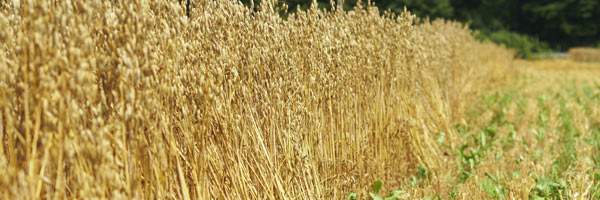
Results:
[136, 100]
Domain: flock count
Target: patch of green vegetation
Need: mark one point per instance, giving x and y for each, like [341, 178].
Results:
[490, 139]
[494, 187]
[422, 175]
[568, 152]
[546, 188]
[526, 46]
[374, 194]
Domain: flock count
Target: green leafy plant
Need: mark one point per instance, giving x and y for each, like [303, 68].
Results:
[374, 194]
[437, 197]
[493, 187]
[546, 188]
[525, 45]
[420, 177]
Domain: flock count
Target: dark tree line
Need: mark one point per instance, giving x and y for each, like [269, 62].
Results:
[559, 23]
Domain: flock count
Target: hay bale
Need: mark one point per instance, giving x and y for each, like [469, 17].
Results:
[584, 54]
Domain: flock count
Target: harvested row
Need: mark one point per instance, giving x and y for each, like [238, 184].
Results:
[136, 100]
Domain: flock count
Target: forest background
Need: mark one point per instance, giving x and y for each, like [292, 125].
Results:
[529, 26]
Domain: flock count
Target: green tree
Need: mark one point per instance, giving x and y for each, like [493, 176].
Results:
[563, 22]
[560, 23]
[422, 8]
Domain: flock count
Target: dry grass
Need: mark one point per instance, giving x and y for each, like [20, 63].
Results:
[583, 54]
[106, 99]
[539, 135]
[549, 124]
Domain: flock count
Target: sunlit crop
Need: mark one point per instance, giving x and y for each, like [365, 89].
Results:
[133, 99]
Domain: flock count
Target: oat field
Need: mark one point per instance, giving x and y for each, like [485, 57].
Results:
[110, 99]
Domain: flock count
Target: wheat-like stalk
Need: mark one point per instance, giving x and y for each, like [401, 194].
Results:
[119, 99]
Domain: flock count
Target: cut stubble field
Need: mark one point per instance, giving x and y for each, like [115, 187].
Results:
[136, 100]
[534, 138]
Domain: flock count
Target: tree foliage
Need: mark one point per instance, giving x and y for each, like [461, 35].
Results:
[560, 23]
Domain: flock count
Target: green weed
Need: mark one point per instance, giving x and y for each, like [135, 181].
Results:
[374, 194]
